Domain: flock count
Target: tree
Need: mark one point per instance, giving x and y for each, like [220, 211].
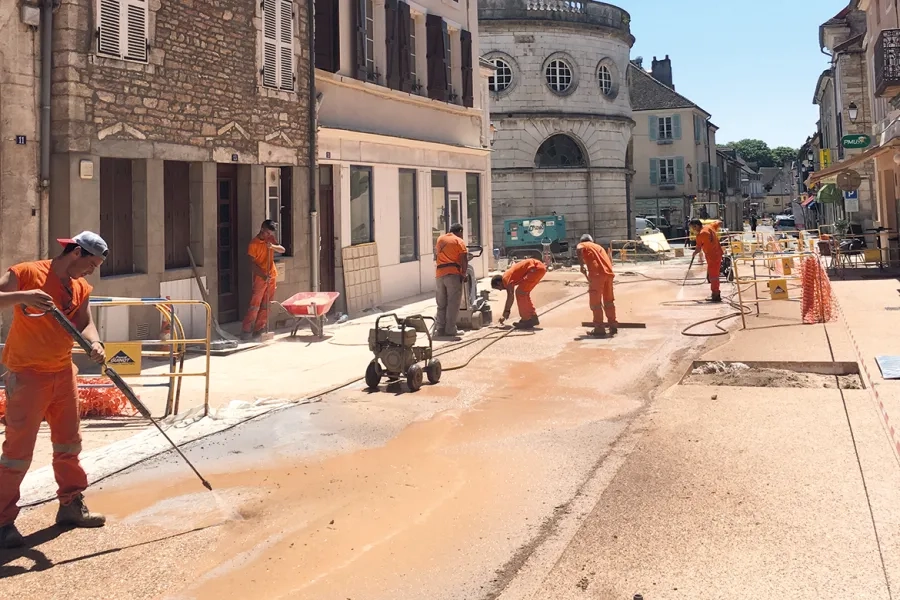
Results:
[755, 151]
[783, 154]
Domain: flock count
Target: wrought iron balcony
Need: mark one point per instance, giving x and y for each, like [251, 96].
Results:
[887, 64]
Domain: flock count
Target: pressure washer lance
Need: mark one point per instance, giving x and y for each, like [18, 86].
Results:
[119, 383]
[688, 272]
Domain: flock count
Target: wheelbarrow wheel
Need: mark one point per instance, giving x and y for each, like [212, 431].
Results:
[373, 375]
[434, 370]
[414, 378]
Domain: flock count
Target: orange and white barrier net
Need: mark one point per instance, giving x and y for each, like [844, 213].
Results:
[817, 302]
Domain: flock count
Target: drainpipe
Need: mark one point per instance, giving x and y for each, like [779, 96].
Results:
[315, 244]
[47, 7]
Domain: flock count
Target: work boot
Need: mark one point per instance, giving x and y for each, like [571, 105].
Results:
[76, 513]
[716, 297]
[526, 323]
[598, 332]
[613, 330]
[10, 537]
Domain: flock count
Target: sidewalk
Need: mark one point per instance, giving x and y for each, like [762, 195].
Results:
[754, 492]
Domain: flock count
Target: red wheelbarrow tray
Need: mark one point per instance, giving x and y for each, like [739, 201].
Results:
[310, 304]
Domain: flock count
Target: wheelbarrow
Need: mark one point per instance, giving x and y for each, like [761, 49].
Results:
[309, 306]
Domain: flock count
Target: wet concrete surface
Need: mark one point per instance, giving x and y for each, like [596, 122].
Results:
[437, 494]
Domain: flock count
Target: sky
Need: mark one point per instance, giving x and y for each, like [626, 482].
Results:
[752, 65]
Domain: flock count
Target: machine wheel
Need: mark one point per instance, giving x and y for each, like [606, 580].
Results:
[373, 375]
[434, 370]
[414, 378]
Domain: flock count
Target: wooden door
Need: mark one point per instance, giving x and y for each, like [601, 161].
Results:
[326, 229]
[226, 244]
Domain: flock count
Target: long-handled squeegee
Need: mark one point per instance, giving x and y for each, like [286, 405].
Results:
[119, 383]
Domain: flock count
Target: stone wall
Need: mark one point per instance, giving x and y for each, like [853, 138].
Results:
[854, 84]
[201, 87]
[20, 198]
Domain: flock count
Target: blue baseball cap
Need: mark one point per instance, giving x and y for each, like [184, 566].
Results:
[88, 241]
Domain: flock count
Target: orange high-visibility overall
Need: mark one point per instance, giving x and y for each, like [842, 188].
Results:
[263, 290]
[41, 384]
[525, 275]
[708, 243]
[600, 278]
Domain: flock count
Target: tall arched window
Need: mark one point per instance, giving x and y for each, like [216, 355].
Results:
[559, 151]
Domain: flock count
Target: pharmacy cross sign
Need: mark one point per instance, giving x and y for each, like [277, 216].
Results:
[856, 140]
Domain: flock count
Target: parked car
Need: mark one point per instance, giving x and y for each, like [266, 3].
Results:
[644, 226]
[784, 223]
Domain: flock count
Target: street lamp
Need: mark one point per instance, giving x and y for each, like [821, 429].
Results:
[810, 156]
[690, 171]
[493, 133]
[853, 112]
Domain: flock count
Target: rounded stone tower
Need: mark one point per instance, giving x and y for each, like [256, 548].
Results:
[561, 111]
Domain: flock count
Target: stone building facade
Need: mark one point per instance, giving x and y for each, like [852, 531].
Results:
[560, 106]
[676, 167]
[22, 210]
[846, 83]
[180, 124]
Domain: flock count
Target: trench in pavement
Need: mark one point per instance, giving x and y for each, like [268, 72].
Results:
[775, 374]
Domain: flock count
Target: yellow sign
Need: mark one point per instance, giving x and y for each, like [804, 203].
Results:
[737, 247]
[825, 158]
[786, 265]
[124, 357]
[778, 289]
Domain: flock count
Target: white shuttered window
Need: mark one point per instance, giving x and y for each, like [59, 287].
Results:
[122, 29]
[278, 44]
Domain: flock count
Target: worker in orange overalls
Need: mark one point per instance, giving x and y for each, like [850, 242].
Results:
[41, 379]
[452, 258]
[597, 267]
[262, 251]
[520, 279]
[708, 243]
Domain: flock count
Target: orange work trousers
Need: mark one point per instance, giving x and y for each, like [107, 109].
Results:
[601, 298]
[258, 312]
[523, 291]
[713, 267]
[30, 398]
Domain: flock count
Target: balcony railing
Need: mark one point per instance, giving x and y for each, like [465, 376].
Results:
[887, 64]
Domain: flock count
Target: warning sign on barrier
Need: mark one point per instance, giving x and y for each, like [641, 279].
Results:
[778, 289]
[124, 357]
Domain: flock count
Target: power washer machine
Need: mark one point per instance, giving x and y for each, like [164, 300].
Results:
[398, 353]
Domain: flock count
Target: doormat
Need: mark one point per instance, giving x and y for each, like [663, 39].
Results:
[889, 365]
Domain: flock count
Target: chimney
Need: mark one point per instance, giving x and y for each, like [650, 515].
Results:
[662, 71]
[638, 62]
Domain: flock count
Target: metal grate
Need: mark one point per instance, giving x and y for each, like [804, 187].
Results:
[143, 331]
[887, 63]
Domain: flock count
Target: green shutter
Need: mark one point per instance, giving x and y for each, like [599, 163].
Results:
[704, 181]
[654, 170]
[676, 127]
[679, 170]
[696, 129]
[653, 128]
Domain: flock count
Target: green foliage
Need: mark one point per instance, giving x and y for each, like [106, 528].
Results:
[757, 151]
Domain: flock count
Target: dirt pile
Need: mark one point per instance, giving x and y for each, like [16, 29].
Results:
[741, 375]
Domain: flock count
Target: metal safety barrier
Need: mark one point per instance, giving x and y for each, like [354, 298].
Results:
[174, 352]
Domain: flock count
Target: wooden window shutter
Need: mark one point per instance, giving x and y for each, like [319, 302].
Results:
[359, 39]
[465, 41]
[286, 44]
[435, 29]
[327, 35]
[109, 27]
[405, 24]
[135, 44]
[392, 72]
[270, 43]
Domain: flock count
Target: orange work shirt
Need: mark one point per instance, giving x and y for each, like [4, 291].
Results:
[39, 343]
[448, 252]
[596, 259]
[708, 241]
[516, 273]
[263, 256]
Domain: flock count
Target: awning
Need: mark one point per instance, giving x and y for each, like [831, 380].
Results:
[829, 194]
[856, 159]
[809, 200]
